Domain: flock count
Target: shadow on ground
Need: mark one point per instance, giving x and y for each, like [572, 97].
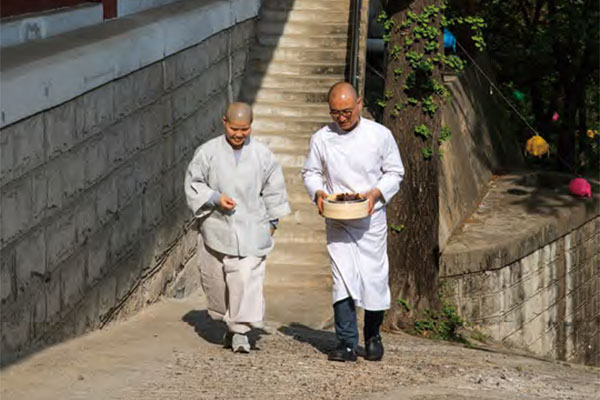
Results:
[323, 341]
[213, 331]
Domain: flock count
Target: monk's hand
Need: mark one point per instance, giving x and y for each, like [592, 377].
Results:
[272, 231]
[226, 203]
[372, 195]
[319, 197]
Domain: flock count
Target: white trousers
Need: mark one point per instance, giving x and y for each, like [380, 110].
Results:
[233, 288]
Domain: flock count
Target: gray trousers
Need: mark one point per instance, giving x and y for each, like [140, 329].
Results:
[234, 288]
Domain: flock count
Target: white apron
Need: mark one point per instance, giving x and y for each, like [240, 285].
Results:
[357, 161]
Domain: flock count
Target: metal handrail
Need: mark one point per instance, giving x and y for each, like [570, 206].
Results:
[355, 43]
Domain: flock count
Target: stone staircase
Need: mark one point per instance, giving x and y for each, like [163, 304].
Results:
[300, 52]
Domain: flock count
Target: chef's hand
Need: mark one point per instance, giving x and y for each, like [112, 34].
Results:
[372, 195]
[319, 197]
[226, 203]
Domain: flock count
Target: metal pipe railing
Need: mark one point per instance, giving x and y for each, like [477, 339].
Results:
[355, 43]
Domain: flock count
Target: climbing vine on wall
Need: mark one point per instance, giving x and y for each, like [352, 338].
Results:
[422, 50]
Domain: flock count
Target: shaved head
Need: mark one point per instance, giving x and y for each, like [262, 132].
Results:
[344, 105]
[239, 113]
[342, 90]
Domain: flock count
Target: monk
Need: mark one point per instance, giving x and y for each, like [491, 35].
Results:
[235, 188]
[355, 155]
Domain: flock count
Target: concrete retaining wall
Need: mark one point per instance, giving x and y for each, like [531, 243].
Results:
[481, 145]
[94, 222]
[547, 302]
[525, 268]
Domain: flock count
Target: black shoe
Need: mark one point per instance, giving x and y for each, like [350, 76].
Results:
[227, 338]
[342, 353]
[374, 349]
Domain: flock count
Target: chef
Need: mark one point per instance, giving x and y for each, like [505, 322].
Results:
[355, 155]
[235, 188]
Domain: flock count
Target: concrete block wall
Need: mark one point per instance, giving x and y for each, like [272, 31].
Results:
[547, 302]
[94, 223]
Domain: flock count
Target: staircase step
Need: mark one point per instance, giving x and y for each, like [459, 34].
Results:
[312, 254]
[270, 95]
[293, 178]
[304, 213]
[302, 27]
[265, 67]
[282, 81]
[291, 109]
[337, 41]
[310, 307]
[289, 125]
[290, 160]
[291, 232]
[293, 275]
[278, 142]
[315, 16]
[328, 5]
[297, 54]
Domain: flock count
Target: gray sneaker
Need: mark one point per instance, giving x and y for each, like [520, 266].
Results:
[240, 344]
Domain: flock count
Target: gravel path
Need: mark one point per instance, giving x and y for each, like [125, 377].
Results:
[172, 351]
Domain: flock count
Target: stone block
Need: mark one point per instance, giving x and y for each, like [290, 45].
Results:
[171, 185]
[152, 120]
[242, 34]
[128, 274]
[125, 177]
[86, 314]
[63, 129]
[125, 103]
[30, 257]
[191, 241]
[186, 65]
[39, 195]
[21, 147]
[38, 315]
[168, 153]
[114, 139]
[72, 280]
[129, 129]
[152, 206]
[239, 62]
[155, 286]
[97, 107]
[143, 173]
[131, 219]
[66, 177]
[61, 239]
[8, 275]
[107, 296]
[106, 199]
[96, 161]
[16, 205]
[148, 84]
[98, 250]
[52, 288]
[86, 220]
[15, 335]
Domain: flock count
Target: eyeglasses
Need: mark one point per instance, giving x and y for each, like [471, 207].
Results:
[337, 113]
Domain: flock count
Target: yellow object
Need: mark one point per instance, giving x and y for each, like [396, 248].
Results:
[592, 133]
[537, 146]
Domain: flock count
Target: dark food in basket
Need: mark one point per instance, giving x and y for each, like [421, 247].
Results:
[348, 197]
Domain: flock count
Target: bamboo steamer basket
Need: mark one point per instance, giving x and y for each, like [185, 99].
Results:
[353, 209]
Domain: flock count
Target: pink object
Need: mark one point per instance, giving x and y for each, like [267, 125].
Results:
[555, 116]
[580, 187]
